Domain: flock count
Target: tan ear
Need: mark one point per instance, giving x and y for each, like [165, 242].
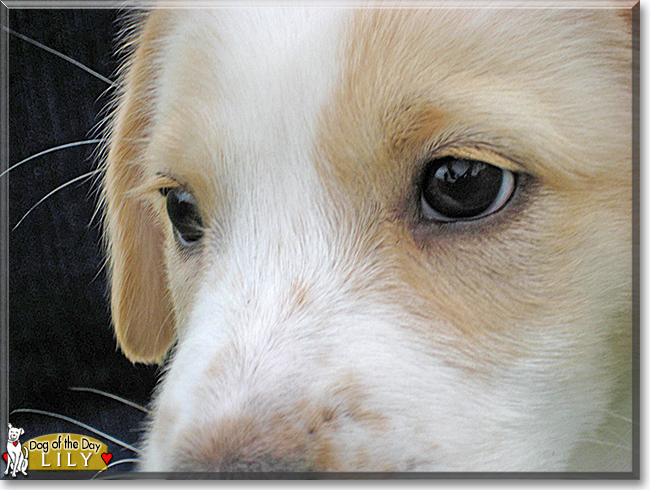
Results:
[141, 306]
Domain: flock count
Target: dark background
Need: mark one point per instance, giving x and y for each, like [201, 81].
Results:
[60, 330]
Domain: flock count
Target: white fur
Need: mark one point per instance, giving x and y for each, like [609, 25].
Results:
[250, 113]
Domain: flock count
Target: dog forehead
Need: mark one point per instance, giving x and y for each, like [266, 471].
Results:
[247, 80]
[509, 79]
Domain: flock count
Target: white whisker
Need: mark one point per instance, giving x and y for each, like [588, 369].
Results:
[77, 423]
[76, 179]
[619, 416]
[61, 55]
[97, 186]
[112, 396]
[95, 212]
[50, 150]
[101, 269]
[116, 463]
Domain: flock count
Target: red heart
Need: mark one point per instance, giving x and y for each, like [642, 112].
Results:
[106, 457]
[16, 443]
[4, 456]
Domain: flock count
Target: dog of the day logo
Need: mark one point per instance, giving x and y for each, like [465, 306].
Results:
[16, 456]
[56, 452]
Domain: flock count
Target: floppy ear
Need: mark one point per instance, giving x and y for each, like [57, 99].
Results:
[141, 307]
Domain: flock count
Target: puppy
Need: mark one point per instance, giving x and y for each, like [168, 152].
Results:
[17, 460]
[378, 239]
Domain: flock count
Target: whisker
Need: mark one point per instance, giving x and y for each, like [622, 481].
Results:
[77, 423]
[115, 463]
[96, 276]
[97, 188]
[619, 416]
[101, 269]
[63, 186]
[95, 213]
[61, 55]
[112, 396]
[50, 150]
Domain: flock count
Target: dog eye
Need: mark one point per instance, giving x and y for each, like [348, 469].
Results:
[184, 215]
[461, 190]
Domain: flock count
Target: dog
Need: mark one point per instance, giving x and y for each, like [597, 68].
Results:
[377, 240]
[17, 460]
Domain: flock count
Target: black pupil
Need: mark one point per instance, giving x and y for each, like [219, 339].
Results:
[458, 188]
[184, 215]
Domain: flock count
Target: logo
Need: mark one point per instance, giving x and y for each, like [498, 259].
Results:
[51, 452]
[17, 456]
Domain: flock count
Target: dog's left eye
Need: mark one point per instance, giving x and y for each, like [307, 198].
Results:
[184, 215]
[456, 189]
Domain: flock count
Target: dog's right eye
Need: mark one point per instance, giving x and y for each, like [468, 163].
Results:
[184, 215]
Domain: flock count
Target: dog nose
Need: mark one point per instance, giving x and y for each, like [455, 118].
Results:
[245, 463]
[242, 446]
[267, 463]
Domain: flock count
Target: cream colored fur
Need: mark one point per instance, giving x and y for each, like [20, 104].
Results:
[321, 325]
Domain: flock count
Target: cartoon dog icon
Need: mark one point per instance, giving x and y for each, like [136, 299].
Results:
[16, 459]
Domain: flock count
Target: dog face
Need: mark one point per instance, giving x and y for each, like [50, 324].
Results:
[14, 433]
[381, 239]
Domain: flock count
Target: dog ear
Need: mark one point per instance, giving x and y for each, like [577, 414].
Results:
[22, 431]
[141, 307]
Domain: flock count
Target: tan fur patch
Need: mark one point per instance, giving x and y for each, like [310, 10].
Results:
[416, 88]
[142, 313]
